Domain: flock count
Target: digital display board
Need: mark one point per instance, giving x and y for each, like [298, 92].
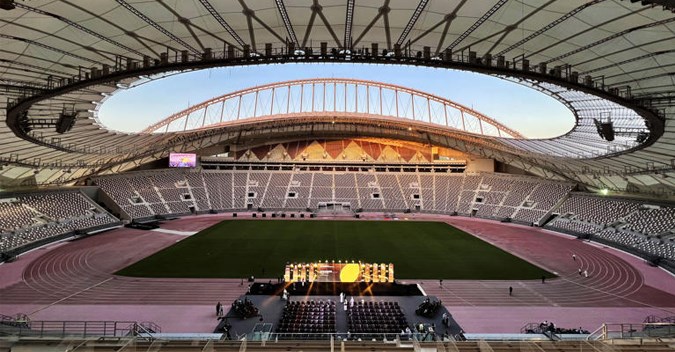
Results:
[339, 272]
[182, 160]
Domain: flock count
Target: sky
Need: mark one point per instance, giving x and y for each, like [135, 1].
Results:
[533, 114]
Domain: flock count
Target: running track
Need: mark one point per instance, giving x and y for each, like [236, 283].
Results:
[75, 280]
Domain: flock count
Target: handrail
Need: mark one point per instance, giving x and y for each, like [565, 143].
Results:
[483, 346]
[600, 331]
[76, 328]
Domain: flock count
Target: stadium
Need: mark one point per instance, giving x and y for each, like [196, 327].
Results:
[374, 210]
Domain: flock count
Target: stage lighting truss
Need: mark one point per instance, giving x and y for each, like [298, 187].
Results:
[583, 141]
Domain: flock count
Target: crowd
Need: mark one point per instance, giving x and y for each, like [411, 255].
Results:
[244, 308]
[548, 326]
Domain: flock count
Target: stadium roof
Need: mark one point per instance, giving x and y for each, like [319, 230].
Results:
[60, 59]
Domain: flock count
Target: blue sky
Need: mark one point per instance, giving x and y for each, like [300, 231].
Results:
[533, 114]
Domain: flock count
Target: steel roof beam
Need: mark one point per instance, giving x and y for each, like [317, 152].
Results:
[45, 46]
[611, 37]
[585, 31]
[411, 22]
[78, 26]
[637, 58]
[382, 11]
[42, 70]
[478, 23]
[154, 24]
[510, 28]
[349, 20]
[319, 11]
[549, 26]
[287, 21]
[207, 5]
[310, 25]
[250, 16]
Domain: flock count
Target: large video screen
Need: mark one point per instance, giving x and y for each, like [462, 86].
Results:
[339, 272]
[182, 160]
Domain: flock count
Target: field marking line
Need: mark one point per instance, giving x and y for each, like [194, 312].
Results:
[175, 232]
[69, 296]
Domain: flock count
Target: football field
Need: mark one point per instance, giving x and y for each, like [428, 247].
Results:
[419, 250]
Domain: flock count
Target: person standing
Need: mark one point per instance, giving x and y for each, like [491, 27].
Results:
[510, 290]
[574, 257]
[219, 308]
[543, 279]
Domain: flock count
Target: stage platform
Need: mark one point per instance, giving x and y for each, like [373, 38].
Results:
[335, 288]
[271, 308]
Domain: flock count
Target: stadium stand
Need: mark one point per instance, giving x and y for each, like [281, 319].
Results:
[572, 226]
[176, 192]
[585, 207]
[625, 223]
[29, 220]
[32, 218]
[524, 199]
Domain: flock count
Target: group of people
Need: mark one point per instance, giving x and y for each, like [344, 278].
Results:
[581, 272]
[549, 326]
[244, 308]
[428, 308]
[348, 302]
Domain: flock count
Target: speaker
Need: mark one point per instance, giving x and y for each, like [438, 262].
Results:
[605, 129]
[65, 122]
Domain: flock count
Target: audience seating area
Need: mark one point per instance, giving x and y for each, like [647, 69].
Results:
[373, 319]
[147, 194]
[35, 217]
[629, 223]
[307, 320]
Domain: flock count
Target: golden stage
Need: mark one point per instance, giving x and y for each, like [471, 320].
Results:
[339, 272]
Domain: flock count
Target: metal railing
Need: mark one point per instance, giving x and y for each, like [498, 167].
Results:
[62, 329]
[629, 331]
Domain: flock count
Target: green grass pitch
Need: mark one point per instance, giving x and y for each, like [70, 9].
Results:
[419, 250]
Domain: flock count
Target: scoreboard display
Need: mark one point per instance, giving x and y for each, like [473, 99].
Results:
[182, 160]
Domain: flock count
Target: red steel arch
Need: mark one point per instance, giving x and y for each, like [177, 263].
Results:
[320, 97]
